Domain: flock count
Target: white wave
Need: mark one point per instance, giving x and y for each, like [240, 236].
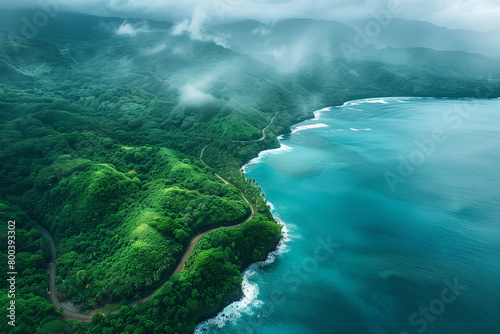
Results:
[367, 129]
[384, 100]
[311, 126]
[317, 113]
[358, 102]
[250, 290]
[350, 104]
[235, 310]
[282, 148]
[374, 101]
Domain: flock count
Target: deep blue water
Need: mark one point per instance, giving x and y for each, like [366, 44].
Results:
[392, 213]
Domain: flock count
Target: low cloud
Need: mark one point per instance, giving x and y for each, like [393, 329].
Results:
[180, 27]
[193, 95]
[195, 28]
[127, 29]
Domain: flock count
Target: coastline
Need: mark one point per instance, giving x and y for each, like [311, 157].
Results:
[236, 295]
[232, 311]
[249, 291]
[249, 271]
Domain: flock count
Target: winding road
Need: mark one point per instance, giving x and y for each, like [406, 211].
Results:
[263, 132]
[70, 315]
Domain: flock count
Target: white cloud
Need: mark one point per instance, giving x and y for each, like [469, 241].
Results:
[127, 29]
[197, 24]
[192, 95]
[195, 28]
[180, 27]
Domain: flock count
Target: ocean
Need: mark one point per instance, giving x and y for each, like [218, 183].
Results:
[391, 213]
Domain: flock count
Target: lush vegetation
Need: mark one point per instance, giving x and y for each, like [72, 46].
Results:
[211, 279]
[33, 309]
[101, 136]
[109, 165]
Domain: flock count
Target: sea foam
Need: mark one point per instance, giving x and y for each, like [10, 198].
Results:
[317, 113]
[374, 101]
[282, 148]
[310, 126]
[250, 290]
[367, 129]
[384, 100]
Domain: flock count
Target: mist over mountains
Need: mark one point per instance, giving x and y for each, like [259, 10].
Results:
[294, 39]
[402, 33]
[327, 59]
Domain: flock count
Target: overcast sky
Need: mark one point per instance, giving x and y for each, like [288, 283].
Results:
[482, 15]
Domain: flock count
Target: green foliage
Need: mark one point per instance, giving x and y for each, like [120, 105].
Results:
[210, 280]
[33, 310]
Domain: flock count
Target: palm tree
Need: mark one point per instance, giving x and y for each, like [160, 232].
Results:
[138, 284]
[149, 282]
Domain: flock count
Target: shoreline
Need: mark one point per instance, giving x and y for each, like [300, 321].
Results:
[231, 312]
[270, 258]
[248, 291]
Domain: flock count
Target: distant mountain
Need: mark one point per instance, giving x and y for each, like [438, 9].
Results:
[291, 43]
[327, 58]
[401, 33]
[453, 64]
[137, 56]
[306, 60]
[286, 44]
[21, 59]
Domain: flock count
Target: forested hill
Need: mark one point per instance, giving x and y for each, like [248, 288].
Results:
[102, 122]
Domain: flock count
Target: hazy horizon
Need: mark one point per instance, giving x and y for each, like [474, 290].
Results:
[468, 15]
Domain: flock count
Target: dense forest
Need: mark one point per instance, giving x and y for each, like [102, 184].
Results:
[101, 136]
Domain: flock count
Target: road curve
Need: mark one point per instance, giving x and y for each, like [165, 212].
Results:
[52, 282]
[263, 133]
[68, 314]
[190, 249]
[264, 130]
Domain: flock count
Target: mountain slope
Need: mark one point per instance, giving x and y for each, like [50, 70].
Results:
[102, 148]
[424, 34]
[324, 57]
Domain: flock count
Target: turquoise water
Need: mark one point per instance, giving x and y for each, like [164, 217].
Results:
[391, 208]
